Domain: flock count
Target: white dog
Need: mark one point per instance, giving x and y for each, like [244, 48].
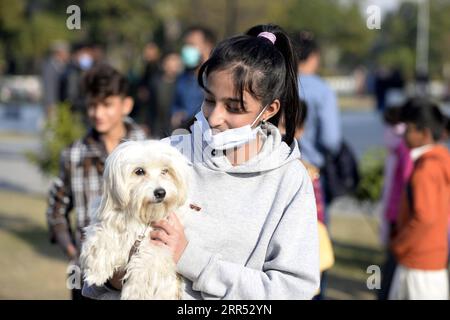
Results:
[143, 182]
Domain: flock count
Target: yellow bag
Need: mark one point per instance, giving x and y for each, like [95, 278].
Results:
[325, 248]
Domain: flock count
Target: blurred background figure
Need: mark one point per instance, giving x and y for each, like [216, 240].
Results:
[388, 81]
[422, 83]
[380, 86]
[52, 71]
[419, 243]
[97, 53]
[145, 111]
[81, 61]
[197, 45]
[397, 170]
[322, 132]
[165, 88]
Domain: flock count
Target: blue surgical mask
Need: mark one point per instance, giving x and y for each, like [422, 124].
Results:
[85, 61]
[190, 56]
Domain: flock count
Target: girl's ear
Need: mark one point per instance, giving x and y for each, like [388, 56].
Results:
[180, 168]
[271, 110]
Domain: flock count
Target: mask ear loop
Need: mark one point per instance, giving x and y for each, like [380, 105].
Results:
[263, 126]
[263, 122]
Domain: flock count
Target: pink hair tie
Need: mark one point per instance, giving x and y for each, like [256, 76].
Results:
[268, 35]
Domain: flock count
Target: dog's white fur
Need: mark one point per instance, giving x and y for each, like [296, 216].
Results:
[127, 206]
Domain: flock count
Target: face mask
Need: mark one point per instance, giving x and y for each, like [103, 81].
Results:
[85, 61]
[230, 138]
[190, 56]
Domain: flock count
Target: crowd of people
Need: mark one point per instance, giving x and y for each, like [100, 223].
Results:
[165, 94]
[270, 79]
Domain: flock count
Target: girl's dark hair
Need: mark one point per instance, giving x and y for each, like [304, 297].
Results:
[424, 114]
[303, 114]
[392, 115]
[267, 71]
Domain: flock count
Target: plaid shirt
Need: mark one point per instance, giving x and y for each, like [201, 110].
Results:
[80, 181]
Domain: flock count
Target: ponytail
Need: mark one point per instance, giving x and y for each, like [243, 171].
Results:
[290, 108]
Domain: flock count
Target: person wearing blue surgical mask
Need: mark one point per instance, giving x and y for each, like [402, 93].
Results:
[188, 96]
[85, 61]
[191, 56]
[81, 61]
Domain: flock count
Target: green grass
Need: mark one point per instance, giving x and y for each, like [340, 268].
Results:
[32, 268]
[356, 247]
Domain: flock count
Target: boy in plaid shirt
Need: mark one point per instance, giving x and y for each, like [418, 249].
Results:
[81, 164]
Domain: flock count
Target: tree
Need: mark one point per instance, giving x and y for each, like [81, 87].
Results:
[340, 28]
[27, 29]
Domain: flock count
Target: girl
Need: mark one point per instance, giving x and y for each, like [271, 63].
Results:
[255, 236]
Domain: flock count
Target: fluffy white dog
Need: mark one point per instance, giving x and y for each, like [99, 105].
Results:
[143, 182]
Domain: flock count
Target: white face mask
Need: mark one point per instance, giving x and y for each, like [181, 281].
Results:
[230, 138]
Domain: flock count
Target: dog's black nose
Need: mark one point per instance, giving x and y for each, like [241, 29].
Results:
[159, 193]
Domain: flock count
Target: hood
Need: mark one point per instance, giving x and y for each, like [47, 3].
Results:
[440, 155]
[274, 154]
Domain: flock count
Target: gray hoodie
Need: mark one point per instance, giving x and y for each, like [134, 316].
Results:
[255, 236]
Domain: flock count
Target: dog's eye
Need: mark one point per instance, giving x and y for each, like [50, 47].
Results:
[139, 172]
[164, 171]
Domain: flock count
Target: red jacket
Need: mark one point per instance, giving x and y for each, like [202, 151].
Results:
[421, 239]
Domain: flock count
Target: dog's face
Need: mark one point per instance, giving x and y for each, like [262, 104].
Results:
[147, 179]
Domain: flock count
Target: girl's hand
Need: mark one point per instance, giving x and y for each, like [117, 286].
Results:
[170, 233]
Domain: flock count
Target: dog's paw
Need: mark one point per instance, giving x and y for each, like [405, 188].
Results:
[95, 278]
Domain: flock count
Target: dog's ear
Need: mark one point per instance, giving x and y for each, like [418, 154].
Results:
[181, 172]
[115, 177]
[106, 204]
